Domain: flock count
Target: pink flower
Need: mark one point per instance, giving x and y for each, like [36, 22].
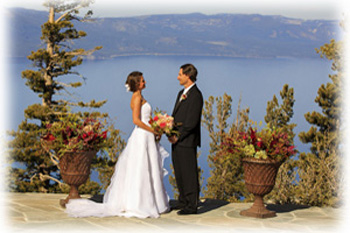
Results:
[162, 123]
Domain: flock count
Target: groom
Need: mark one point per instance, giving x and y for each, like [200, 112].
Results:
[187, 116]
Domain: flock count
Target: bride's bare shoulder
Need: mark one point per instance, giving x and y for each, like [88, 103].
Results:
[135, 99]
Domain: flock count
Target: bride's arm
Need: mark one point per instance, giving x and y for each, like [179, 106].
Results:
[136, 104]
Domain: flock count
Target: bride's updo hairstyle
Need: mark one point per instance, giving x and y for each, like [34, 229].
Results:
[133, 80]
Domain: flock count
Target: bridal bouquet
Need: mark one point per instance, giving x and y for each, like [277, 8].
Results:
[162, 123]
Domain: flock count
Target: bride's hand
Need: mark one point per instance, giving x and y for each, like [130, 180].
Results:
[157, 136]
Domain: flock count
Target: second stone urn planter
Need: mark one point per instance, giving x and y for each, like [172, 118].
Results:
[259, 176]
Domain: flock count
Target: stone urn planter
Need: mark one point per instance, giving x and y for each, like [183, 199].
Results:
[75, 171]
[259, 176]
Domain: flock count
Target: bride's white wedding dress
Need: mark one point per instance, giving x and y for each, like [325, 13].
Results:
[136, 188]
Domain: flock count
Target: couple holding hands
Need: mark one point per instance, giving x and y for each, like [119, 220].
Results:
[136, 188]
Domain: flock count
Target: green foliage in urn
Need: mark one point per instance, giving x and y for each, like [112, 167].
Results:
[72, 133]
[269, 144]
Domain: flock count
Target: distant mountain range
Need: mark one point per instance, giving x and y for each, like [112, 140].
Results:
[232, 35]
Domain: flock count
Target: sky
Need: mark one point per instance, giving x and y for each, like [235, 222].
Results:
[304, 9]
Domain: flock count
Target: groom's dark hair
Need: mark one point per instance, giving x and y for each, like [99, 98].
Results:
[190, 71]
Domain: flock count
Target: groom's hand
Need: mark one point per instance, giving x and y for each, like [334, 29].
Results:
[173, 139]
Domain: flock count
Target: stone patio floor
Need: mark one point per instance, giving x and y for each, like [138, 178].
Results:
[35, 212]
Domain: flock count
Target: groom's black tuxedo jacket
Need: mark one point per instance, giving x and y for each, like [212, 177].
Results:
[187, 115]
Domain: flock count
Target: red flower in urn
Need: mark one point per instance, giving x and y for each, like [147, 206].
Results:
[268, 143]
[72, 133]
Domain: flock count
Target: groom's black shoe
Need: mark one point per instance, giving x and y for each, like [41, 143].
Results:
[186, 212]
[176, 207]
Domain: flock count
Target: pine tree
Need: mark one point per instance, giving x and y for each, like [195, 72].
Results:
[329, 100]
[38, 170]
[279, 116]
[319, 171]
[226, 175]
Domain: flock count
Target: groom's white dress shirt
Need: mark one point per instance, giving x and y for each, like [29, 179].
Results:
[187, 89]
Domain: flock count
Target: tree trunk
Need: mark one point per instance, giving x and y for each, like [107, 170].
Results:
[46, 100]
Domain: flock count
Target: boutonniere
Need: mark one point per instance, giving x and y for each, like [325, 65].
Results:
[183, 97]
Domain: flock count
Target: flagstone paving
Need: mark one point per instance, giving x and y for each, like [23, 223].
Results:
[35, 212]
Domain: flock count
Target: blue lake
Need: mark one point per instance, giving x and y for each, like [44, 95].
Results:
[256, 80]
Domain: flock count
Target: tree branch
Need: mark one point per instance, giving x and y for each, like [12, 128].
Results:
[65, 14]
[31, 178]
[63, 84]
[69, 103]
[54, 159]
[46, 177]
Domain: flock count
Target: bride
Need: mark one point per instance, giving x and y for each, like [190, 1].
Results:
[136, 188]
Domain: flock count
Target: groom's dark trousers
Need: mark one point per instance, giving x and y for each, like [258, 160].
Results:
[187, 116]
